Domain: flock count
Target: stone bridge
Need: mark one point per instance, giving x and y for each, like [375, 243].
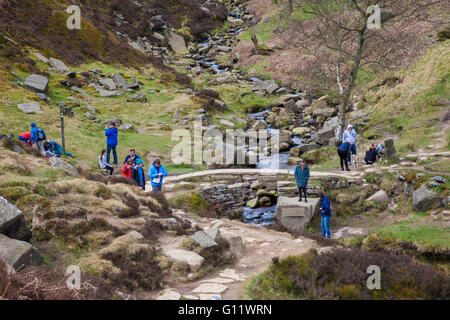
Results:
[230, 189]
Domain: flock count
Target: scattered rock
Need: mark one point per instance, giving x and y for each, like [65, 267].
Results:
[177, 43]
[438, 179]
[169, 295]
[37, 83]
[12, 222]
[58, 66]
[59, 164]
[191, 258]
[380, 197]
[203, 240]
[31, 107]
[210, 288]
[424, 199]
[18, 254]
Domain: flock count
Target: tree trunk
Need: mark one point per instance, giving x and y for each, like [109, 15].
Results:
[351, 83]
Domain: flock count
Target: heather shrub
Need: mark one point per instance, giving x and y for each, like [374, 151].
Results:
[342, 274]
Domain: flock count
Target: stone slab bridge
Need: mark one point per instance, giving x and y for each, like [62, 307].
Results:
[230, 190]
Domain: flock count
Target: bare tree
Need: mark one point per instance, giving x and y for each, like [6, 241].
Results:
[346, 35]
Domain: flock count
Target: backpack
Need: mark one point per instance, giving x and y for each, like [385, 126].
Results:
[41, 135]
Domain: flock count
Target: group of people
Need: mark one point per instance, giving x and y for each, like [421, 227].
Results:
[35, 137]
[301, 175]
[348, 147]
[133, 166]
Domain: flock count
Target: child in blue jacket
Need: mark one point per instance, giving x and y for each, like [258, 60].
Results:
[156, 174]
[325, 211]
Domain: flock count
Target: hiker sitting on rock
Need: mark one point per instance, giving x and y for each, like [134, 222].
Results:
[127, 169]
[343, 152]
[103, 164]
[156, 174]
[138, 173]
[133, 156]
[302, 176]
[325, 211]
[25, 137]
[371, 154]
[53, 149]
[349, 135]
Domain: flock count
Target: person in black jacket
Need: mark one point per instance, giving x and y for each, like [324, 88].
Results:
[371, 154]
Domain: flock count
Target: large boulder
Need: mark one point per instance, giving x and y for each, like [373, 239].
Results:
[326, 112]
[59, 164]
[424, 199]
[301, 131]
[37, 83]
[237, 246]
[177, 43]
[18, 254]
[12, 222]
[270, 86]
[31, 107]
[109, 84]
[193, 259]
[58, 66]
[295, 215]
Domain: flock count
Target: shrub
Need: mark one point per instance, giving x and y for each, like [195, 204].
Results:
[342, 274]
[193, 202]
[138, 270]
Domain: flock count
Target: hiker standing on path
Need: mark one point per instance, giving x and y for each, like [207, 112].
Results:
[325, 211]
[104, 164]
[156, 174]
[343, 152]
[302, 176]
[349, 135]
[111, 142]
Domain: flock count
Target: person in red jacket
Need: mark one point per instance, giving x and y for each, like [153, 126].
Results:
[25, 137]
[127, 169]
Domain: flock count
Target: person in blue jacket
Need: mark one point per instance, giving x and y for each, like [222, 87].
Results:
[111, 141]
[302, 176]
[34, 139]
[350, 135]
[343, 152]
[138, 173]
[325, 211]
[156, 174]
[52, 148]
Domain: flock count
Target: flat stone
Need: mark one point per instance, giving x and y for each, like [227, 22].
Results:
[109, 84]
[18, 254]
[219, 280]
[231, 273]
[191, 258]
[210, 288]
[210, 296]
[37, 83]
[32, 107]
[202, 239]
[169, 295]
[40, 57]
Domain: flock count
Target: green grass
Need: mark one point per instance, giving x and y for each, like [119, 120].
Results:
[414, 231]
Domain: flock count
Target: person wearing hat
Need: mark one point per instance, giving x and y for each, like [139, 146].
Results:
[34, 138]
[138, 173]
[349, 136]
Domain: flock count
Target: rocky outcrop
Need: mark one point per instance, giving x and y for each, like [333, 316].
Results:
[32, 107]
[37, 83]
[60, 165]
[424, 199]
[18, 254]
[12, 222]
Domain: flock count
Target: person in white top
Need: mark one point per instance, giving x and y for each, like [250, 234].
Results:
[349, 136]
[105, 165]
